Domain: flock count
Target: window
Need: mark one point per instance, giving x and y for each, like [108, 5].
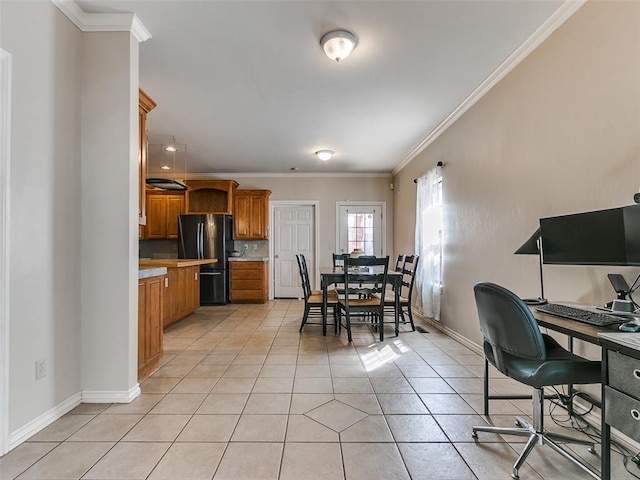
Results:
[429, 241]
[360, 232]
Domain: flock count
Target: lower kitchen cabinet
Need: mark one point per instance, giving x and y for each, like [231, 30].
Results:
[181, 293]
[248, 282]
[150, 307]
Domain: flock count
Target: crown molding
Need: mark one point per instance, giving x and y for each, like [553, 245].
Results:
[557, 18]
[216, 176]
[103, 22]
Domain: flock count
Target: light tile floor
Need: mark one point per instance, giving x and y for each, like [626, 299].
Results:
[242, 395]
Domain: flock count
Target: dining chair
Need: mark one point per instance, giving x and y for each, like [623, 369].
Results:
[364, 281]
[399, 263]
[338, 259]
[313, 303]
[409, 268]
[513, 343]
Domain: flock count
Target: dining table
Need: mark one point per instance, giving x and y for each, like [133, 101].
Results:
[334, 275]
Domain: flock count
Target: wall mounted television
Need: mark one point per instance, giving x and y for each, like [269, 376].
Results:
[601, 237]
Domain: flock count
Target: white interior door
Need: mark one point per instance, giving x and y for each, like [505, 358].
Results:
[361, 226]
[294, 234]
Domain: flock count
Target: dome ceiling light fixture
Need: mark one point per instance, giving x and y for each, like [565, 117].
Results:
[325, 155]
[338, 44]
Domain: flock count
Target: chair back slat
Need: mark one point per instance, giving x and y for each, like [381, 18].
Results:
[409, 269]
[365, 284]
[304, 275]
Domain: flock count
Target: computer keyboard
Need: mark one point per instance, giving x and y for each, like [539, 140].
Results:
[580, 315]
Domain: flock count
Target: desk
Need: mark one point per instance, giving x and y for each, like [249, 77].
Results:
[582, 331]
[620, 390]
[333, 275]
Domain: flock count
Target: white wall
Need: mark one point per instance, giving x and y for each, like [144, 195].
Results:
[73, 210]
[45, 207]
[109, 216]
[560, 134]
[327, 191]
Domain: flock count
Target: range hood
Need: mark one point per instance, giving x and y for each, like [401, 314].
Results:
[166, 163]
[166, 184]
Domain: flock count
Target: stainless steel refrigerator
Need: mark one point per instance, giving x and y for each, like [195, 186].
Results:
[208, 236]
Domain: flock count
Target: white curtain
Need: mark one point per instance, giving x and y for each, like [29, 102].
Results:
[429, 242]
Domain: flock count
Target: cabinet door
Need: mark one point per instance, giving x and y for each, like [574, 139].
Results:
[258, 217]
[182, 305]
[194, 297]
[170, 297]
[242, 217]
[174, 208]
[154, 319]
[142, 324]
[156, 217]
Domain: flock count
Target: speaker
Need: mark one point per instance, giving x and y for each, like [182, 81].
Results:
[636, 197]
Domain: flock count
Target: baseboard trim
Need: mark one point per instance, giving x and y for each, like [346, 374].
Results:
[44, 420]
[451, 333]
[110, 396]
[50, 416]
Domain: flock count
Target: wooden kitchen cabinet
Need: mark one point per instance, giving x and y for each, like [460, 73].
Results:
[210, 196]
[150, 309]
[251, 214]
[181, 293]
[163, 210]
[248, 282]
[145, 105]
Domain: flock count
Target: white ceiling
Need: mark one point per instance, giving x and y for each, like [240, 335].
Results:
[246, 86]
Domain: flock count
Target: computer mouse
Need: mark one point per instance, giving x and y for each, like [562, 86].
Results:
[629, 327]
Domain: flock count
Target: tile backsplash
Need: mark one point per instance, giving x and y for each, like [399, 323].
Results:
[158, 249]
[161, 249]
[255, 248]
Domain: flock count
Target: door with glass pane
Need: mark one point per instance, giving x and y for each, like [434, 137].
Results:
[360, 226]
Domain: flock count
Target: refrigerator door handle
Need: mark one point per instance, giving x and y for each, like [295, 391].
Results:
[200, 239]
[202, 274]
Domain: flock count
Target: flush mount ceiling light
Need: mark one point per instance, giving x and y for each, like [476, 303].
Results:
[338, 44]
[324, 155]
[171, 148]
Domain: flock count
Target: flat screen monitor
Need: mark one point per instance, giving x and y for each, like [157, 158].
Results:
[602, 237]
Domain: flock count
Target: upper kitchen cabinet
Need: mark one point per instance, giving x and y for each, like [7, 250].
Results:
[163, 210]
[145, 105]
[210, 196]
[251, 214]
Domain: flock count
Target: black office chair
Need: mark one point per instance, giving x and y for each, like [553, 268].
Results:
[514, 344]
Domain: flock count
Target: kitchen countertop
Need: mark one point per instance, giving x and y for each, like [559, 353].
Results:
[248, 259]
[174, 262]
[151, 272]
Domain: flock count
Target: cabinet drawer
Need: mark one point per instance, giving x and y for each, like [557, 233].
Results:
[622, 412]
[247, 284]
[246, 265]
[624, 373]
[241, 295]
[246, 275]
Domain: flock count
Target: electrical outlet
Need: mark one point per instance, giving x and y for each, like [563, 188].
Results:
[246, 246]
[255, 246]
[41, 369]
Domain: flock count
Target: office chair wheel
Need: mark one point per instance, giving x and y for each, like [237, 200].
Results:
[591, 450]
[474, 434]
[515, 476]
